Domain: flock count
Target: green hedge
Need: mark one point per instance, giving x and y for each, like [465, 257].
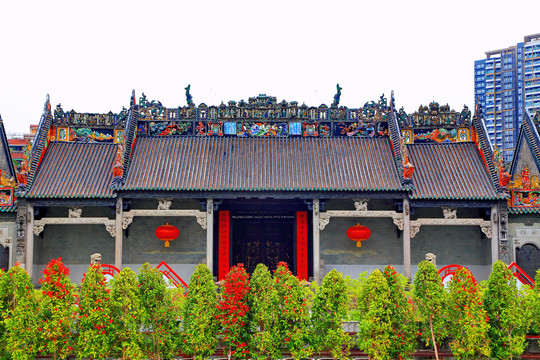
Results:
[264, 316]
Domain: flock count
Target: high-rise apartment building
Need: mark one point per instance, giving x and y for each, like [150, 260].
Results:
[507, 83]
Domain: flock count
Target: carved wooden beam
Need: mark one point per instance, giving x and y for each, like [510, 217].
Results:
[127, 216]
[39, 225]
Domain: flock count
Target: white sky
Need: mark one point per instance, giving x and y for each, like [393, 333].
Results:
[90, 55]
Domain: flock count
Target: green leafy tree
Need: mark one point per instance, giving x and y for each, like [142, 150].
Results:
[294, 298]
[430, 299]
[160, 315]
[354, 291]
[200, 314]
[506, 320]
[402, 316]
[532, 305]
[95, 316]
[468, 319]
[264, 307]
[233, 312]
[375, 329]
[327, 314]
[6, 302]
[127, 314]
[58, 312]
[21, 320]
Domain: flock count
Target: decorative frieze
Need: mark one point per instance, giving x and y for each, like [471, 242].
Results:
[324, 218]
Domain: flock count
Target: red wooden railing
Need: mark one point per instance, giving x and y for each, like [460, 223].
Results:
[171, 275]
[521, 275]
[109, 269]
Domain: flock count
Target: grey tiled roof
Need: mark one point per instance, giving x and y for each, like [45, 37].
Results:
[255, 164]
[74, 170]
[450, 171]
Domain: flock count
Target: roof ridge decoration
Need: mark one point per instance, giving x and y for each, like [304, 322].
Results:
[263, 116]
[89, 127]
[480, 138]
[435, 123]
[404, 166]
[44, 134]
[8, 201]
[126, 144]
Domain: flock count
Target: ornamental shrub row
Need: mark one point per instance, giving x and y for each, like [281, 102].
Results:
[263, 316]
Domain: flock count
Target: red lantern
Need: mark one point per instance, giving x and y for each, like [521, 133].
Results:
[358, 233]
[167, 233]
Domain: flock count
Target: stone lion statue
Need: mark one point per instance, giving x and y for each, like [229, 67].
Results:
[432, 258]
[95, 258]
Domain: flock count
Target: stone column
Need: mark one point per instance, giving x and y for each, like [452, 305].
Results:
[29, 261]
[406, 238]
[118, 234]
[316, 242]
[494, 233]
[210, 233]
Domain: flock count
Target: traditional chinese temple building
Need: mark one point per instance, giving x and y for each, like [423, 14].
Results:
[264, 181]
[524, 198]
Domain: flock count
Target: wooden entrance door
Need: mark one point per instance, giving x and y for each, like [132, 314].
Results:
[263, 237]
[528, 258]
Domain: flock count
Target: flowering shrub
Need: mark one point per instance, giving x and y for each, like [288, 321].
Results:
[160, 316]
[430, 299]
[58, 312]
[328, 311]
[21, 320]
[233, 312]
[200, 314]
[506, 321]
[127, 314]
[468, 319]
[293, 312]
[264, 306]
[95, 320]
[6, 301]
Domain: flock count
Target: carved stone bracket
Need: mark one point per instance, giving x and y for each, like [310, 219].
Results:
[126, 221]
[38, 229]
[398, 221]
[487, 230]
[414, 231]
[324, 218]
[127, 216]
[201, 219]
[111, 229]
[323, 223]
[39, 225]
[484, 225]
